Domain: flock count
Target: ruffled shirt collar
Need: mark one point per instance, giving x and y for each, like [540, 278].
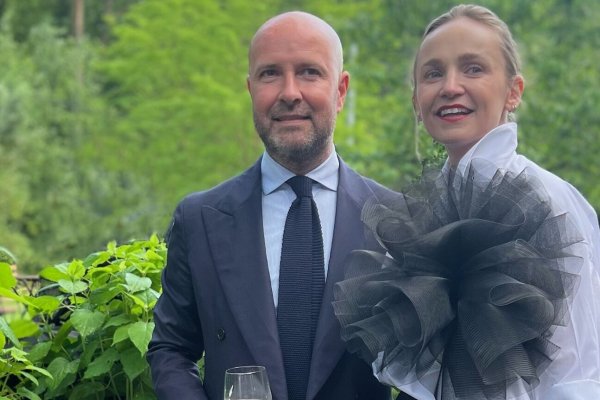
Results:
[498, 147]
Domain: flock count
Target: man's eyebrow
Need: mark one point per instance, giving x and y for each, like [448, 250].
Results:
[434, 62]
[310, 65]
[266, 66]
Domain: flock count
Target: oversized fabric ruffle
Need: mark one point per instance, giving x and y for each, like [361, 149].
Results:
[477, 276]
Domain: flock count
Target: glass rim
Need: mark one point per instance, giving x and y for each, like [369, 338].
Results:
[245, 369]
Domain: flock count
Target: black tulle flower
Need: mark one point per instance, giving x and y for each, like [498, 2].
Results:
[477, 276]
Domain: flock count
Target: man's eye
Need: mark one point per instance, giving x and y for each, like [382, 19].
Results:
[310, 72]
[268, 73]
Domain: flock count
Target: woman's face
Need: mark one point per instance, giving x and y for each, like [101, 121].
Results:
[462, 90]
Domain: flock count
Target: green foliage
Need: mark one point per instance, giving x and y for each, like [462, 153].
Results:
[6, 256]
[559, 123]
[175, 75]
[56, 201]
[18, 374]
[89, 327]
[25, 15]
[99, 139]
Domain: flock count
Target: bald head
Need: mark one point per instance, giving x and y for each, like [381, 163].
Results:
[300, 24]
[297, 86]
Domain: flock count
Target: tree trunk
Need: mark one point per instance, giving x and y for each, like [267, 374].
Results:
[78, 19]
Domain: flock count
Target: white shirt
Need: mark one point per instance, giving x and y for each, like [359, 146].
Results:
[277, 198]
[575, 373]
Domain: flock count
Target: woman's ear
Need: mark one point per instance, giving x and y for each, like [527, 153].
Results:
[515, 93]
[416, 109]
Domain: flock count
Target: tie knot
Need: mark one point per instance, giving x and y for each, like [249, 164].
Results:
[302, 185]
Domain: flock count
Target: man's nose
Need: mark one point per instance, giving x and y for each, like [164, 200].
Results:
[290, 91]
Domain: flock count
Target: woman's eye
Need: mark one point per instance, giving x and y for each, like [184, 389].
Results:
[474, 69]
[433, 74]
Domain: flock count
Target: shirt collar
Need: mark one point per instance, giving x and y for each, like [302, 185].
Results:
[498, 146]
[274, 174]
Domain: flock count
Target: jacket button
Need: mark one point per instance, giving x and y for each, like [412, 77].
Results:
[221, 334]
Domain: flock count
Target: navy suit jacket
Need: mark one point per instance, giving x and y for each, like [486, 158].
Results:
[217, 296]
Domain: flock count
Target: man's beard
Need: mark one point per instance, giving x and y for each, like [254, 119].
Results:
[311, 149]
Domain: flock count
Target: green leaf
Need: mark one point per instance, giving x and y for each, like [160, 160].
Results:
[103, 295]
[12, 295]
[116, 305]
[24, 328]
[38, 370]
[30, 377]
[145, 299]
[27, 394]
[18, 354]
[46, 304]
[7, 278]
[2, 340]
[53, 274]
[76, 270]
[133, 362]
[152, 255]
[121, 333]
[39, 351]
[72, 287]
[61, 336]
[118, 320]
[77, 300]
[122, 251]
[88, 390]
[112, 247]
[101, 271]
[89, 352]
[98, 258]
[102, 364]
[61, 370]
[154, 240]
[87, 322]
[6, 366]
[140, 334]
[137, 283]
[5, 329]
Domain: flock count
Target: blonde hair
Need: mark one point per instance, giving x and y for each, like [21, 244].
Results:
[488, 18]
[485, 16]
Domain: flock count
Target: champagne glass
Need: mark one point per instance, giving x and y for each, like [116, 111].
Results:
[247, 383]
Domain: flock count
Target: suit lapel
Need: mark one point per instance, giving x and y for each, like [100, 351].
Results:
[235, 234]
[348, 235]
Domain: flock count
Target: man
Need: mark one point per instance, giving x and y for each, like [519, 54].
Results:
[221, 287]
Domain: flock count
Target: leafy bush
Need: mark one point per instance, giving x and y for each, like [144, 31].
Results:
[16, 369]
[85, 333]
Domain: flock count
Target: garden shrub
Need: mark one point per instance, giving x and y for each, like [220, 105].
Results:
[85, 333]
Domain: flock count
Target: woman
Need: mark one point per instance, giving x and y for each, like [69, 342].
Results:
[467, 83]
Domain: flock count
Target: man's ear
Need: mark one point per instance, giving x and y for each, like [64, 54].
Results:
[342, 88]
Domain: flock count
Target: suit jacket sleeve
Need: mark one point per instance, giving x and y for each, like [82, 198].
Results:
[177, 342]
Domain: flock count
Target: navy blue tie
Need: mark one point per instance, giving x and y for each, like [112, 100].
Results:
[301, 283]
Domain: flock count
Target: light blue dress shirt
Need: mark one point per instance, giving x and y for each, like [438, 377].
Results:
[277, 197]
